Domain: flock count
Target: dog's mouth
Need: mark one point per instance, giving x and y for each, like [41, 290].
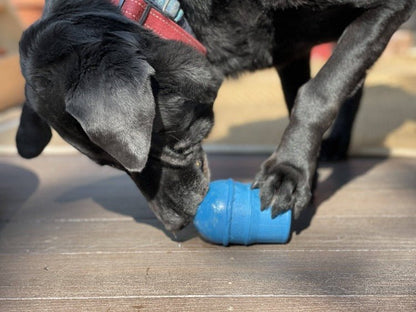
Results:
[174, 187]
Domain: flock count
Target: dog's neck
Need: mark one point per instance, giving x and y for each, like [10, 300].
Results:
[163, 17]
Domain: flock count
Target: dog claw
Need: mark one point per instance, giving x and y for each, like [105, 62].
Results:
[277, 211]
[255, 185]
[263, 206]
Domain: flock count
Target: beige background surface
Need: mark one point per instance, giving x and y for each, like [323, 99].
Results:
[251, 111]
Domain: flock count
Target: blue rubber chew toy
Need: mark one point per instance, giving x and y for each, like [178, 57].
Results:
[230, 214]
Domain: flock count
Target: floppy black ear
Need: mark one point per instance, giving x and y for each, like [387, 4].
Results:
[33, 133]
[114, 104]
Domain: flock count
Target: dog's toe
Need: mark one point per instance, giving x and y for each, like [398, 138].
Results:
[282, 187]
[284, 199]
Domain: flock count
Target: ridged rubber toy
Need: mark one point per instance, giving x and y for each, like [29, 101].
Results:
[230, 214]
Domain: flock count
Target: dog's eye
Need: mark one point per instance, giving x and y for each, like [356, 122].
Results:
[198, 163]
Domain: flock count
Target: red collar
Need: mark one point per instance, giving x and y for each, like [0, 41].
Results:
[144, 13]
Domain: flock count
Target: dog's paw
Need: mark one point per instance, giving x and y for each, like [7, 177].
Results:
[282, 187]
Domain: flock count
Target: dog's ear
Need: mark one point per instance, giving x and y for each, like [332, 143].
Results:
[33, 133]
[114, 104]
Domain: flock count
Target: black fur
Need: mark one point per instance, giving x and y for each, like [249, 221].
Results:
[128, 99]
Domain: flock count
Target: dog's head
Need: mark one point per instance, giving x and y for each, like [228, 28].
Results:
[123, 97]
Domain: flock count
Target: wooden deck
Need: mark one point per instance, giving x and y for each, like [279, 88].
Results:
[78, 237]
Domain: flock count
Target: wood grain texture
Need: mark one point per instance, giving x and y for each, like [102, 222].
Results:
[251, 304]
[233, 271]
[78, 237]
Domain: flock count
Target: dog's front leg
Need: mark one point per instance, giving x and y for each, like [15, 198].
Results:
[285, 178]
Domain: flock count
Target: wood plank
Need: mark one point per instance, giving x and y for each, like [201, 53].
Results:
[233, 271]
[204, 304]
[81, 189]
[78, 237]
[95, 203]
[118, 235]
[222, 166]
[74, 212]
[395, 172]
[66, 187]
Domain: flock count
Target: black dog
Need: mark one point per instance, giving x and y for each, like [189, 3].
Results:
[127, 98]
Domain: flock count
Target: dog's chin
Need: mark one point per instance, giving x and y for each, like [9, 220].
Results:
[171, 220]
